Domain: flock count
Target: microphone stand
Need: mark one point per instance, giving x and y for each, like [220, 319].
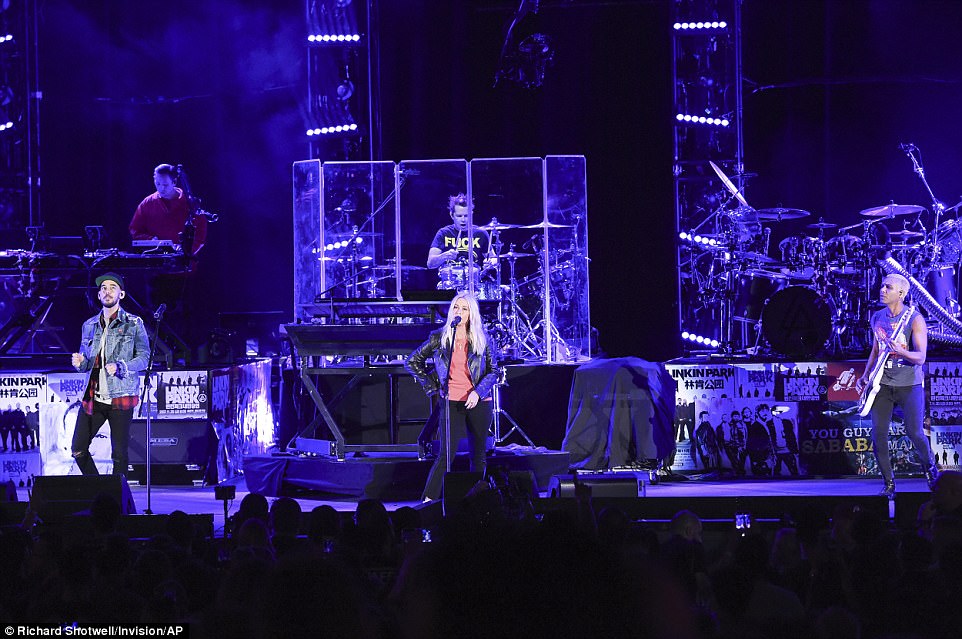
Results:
[447, 405]
[190, 229]
[937, 206]
[145, 398]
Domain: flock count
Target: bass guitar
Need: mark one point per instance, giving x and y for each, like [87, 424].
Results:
[875, 378]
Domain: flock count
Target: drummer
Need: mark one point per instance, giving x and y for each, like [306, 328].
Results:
[450, 244]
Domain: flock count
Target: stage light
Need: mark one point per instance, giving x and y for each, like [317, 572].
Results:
[337, 38]
[327, 130]
[700, 339]
[696, 26]
[698, 239]
[701, 119]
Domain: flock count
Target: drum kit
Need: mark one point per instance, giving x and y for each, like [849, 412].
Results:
[817, 295]
[517, 295]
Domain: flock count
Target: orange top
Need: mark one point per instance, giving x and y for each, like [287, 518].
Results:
[459, 383]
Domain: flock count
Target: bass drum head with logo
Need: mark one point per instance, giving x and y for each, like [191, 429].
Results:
[797, 322]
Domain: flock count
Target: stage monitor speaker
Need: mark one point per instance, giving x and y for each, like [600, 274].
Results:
[61, 496]
[602, 485]
[180, 451]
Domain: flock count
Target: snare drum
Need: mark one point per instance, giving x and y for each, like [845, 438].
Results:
[752, 288]
[797, 321]
[455, 276]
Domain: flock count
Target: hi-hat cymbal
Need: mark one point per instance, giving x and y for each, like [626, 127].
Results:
[510, 255]
[822, 225]
[892, 209]
[495, 225]
[728, 183]
[780, 213]
[546, 225]
[902, 235]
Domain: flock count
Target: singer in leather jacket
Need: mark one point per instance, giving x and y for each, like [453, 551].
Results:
[464, 373]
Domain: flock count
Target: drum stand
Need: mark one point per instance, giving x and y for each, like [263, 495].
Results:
[497, 413]
[515, 314]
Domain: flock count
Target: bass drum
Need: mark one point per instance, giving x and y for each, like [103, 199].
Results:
[797, 321]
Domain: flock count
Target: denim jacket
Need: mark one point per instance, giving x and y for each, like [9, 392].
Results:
[127, 346]
[484, 373]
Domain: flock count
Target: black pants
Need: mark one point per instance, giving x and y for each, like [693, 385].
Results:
[476, 422]
[789, 460]
[86, 429]
[737, 457]
[912, 401]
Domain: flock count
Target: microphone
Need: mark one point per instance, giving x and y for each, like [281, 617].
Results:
[455, 321]
[908, 148]
[160, 311]
[530, 242]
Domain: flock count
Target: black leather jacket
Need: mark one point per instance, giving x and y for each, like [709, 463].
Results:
[483, 371]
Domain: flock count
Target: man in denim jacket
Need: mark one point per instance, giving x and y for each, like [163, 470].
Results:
[113, 348]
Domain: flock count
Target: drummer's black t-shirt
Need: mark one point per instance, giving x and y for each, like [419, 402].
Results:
[450, 236]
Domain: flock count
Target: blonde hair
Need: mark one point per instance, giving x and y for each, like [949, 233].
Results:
[476, 336]
[903, 283]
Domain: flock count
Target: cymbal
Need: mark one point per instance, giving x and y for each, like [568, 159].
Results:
[497, 226]
[346, 258]
[510, 255]
[892, 209]
[546, 225]
[778, 214]
[822, 225]
[728, 183]
[901, 235]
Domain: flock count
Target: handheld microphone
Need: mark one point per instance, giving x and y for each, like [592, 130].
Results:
[907, 147]
[160, 311]
[455, 321]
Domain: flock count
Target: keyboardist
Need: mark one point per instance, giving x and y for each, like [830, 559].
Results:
[163, 214]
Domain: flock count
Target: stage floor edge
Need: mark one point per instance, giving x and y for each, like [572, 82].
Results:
[384, 476]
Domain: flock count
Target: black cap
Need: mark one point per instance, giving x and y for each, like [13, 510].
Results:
[110, 276]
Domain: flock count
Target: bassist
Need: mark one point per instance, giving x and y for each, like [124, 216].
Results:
[901, 378]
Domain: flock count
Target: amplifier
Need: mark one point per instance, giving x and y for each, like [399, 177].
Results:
[180, 450]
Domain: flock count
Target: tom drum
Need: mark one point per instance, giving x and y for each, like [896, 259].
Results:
[752, 288]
